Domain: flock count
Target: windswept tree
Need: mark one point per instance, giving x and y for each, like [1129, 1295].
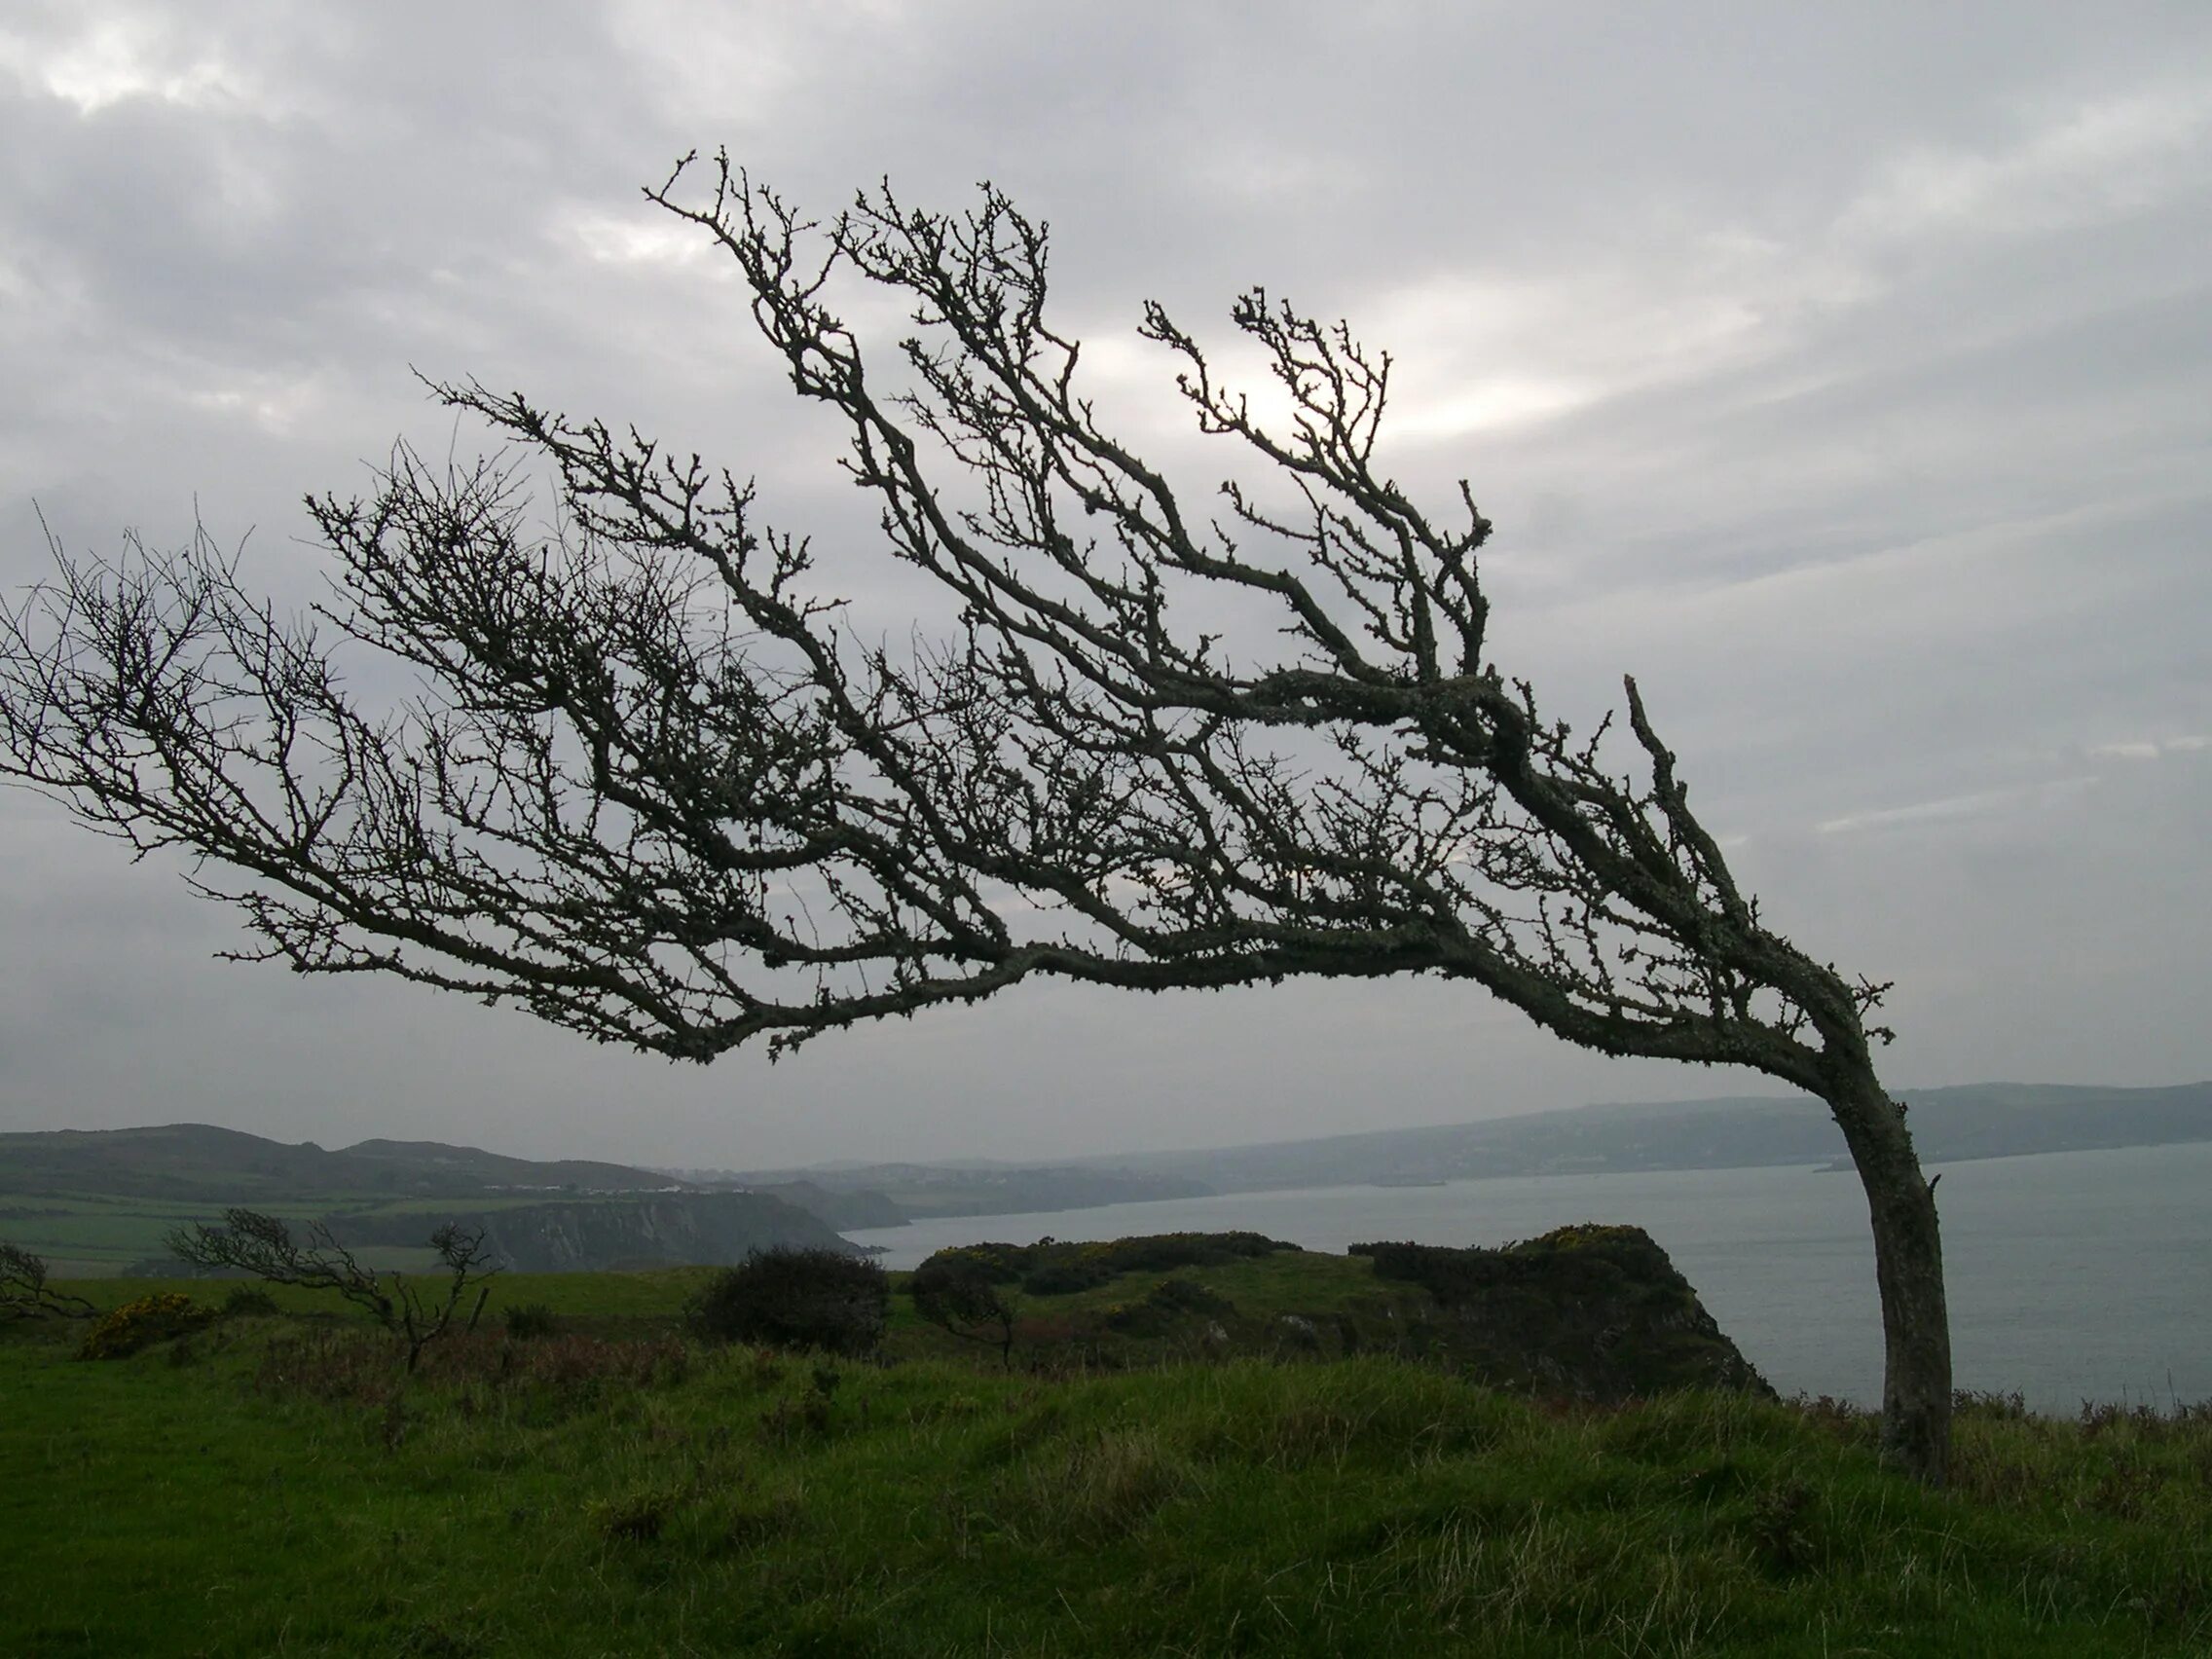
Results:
[963, 1292]
[660, 789]
[26, 1291]
[263, 1245]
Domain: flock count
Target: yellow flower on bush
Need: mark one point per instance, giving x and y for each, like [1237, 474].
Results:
[138, 1324]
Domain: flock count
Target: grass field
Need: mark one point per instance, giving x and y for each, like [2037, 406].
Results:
[276, 1485]
[92, 1237]
[80, 1236]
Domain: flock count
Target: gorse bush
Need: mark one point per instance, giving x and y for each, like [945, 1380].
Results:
[139, 1324]
[1066, 1279]
[794, 1299]
[1165, 1252]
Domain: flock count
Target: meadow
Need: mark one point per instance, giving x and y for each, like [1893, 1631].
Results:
[92, 1233]
[274, 1483]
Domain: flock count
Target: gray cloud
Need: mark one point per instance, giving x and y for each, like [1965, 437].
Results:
[1842, 371]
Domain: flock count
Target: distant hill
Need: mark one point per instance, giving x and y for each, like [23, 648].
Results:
[1986, 1119]
[428, 1160]
[108, 1199]
[849, 1195]
[1991, 1119]
[200, 1161]
[1994, 1120]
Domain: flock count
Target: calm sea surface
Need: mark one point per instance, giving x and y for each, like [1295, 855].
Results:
[2073, 1276]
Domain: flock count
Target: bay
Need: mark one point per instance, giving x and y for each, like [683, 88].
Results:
[2074, 1277]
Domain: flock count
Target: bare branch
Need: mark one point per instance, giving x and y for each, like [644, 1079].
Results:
[26, 1292]
[656, 790]
[263, 1245]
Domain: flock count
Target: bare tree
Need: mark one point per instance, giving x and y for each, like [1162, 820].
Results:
[663, 794]
[26, 1292]
[962, 1292]
[263, 1245]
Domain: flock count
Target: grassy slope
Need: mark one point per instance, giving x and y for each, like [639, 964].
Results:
[86, 1234]
[282, 1491]
[81, 1235]
[97, 1235]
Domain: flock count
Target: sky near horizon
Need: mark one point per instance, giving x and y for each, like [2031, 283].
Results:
[1844, 373]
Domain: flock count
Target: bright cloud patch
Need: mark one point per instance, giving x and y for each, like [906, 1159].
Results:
[120, 59]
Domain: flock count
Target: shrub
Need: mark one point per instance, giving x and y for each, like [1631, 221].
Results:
[1165, 1252]
[139, 1324]
[246, 1301]
[530, 1319]
[1066, 1279]
[794, 1299]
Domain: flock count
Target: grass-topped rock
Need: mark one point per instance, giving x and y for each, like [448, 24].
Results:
[1595, 1312]
[1051, 1268]
[1586, 1312]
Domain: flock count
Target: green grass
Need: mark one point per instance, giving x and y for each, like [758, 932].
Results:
[276, 1486]
[445, 1206]
[86, 1234]
[93, 1236]
[605, 1304]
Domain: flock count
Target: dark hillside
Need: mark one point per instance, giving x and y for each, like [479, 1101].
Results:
[198, 1161]
[1994, 1120]
[166, 1160]
[419, 1162]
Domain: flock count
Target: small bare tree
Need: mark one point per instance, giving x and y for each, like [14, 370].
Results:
[662, 795]
[964, 1294]
[263, 1245]
[27, 1293]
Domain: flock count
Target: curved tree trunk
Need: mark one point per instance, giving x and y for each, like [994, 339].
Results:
[1908, 1267]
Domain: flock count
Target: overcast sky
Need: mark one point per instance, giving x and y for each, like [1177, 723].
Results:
[1845, 372]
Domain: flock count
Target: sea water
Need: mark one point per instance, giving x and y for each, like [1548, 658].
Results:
[2073, 1276]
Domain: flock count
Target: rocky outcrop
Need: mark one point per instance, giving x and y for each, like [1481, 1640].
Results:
[1586, 1311]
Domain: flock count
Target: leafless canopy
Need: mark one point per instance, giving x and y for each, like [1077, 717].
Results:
[661, 788]
[263, 1245]
[658, 790]
[27, 1293]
